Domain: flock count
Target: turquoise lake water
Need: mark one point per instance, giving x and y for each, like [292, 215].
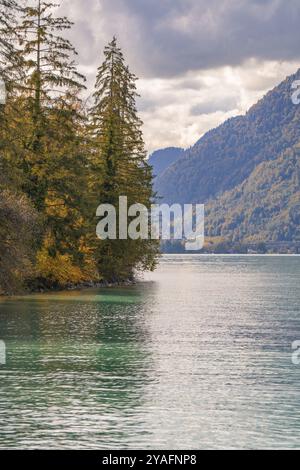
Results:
[198, 355]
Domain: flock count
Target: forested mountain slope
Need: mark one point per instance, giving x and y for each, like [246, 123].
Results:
[226, 156]
[265, 207]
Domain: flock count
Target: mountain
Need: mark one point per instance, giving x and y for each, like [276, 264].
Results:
[265, 207]
[160, 160]
[226, 156]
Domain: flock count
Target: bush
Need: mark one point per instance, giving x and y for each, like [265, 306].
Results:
[18, 225]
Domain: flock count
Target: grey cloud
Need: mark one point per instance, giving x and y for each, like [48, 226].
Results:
[208, 107]
[148, 105]
[168, 38]
[190, 84]
[180, 47]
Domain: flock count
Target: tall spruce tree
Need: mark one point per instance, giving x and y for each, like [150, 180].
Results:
[10, 73]
[50, 78]
[119, 162]
[48, 56]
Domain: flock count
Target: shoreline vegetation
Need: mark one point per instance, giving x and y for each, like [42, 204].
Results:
[43, 289]
[61, 157]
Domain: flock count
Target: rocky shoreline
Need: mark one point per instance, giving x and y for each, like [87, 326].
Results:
[81, 286]
[41, 286]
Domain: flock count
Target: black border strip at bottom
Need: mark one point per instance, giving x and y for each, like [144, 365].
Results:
[126, 459]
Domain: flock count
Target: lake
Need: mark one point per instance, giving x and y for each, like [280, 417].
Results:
[198, 355]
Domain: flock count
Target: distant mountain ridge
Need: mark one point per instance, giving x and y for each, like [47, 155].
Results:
[161, 159]
[246, 171]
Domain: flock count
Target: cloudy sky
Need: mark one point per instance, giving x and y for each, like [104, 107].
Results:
[199, 61]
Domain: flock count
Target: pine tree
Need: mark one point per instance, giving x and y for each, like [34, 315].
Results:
[50, 78]
[119, 159]
[10, 72]
[8, 52]
[49, 57]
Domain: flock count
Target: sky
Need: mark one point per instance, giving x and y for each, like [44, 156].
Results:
[199, 62]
